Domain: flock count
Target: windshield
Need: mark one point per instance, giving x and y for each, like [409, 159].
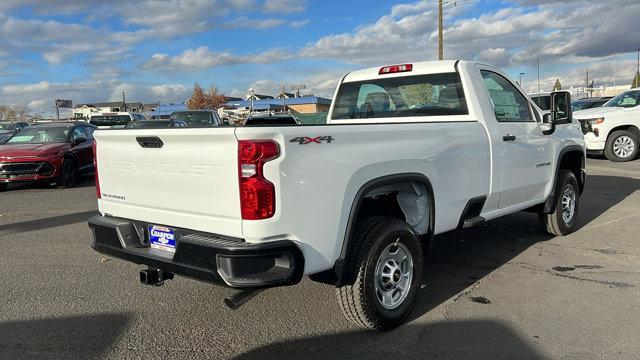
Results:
[580, 105]
[110, 120]
[626, 99]
[543, 101]
[35, 135]
[7, 127]
[421, 95]
[195, 118]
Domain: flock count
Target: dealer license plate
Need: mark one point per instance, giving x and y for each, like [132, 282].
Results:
[162, 238]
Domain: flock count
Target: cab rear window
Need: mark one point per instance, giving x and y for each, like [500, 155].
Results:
[420, 95]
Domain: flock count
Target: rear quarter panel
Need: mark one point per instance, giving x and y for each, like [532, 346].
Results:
[316, 184]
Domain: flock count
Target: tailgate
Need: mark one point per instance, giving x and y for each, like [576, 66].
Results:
[190, 181]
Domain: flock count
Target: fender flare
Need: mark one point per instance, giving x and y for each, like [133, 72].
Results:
[341, 271]
[551, 200]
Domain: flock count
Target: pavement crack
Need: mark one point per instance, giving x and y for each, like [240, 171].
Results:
[611, 284]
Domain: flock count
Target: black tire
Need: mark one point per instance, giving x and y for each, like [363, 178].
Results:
[359, 301]
[631, 140]
[3, 187]
[554, 223]
[68, 174]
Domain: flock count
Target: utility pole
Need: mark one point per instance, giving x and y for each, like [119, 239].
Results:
[124, 103]
[442, 4]
[520, 83]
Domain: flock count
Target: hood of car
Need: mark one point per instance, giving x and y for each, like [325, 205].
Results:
[29, 150]
[596, 112]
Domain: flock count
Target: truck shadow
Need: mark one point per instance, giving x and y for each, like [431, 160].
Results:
[46, 223]
[462, 258]
[73, 337]
[602, 193]
[473, 339]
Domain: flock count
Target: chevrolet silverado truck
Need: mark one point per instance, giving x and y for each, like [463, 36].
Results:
[408, 152]
[614, 128]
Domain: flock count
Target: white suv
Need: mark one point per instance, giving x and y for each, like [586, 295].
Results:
[614, 128]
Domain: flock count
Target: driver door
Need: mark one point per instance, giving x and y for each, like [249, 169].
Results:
[526, 155]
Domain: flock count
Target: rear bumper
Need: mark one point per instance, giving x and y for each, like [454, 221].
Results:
[206, 257]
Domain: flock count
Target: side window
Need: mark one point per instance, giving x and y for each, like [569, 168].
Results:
[536, 114]
[77, 134]
[89, 132]
[509, 104]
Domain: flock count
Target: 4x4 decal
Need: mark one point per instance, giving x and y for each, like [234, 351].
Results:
[304, 140]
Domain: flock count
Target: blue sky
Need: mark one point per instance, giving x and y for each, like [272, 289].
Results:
[155, 50]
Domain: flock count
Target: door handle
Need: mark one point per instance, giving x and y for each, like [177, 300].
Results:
[509, 137]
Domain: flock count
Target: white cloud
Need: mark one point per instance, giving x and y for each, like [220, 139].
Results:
[169, 92]
[203, 58]
[284, 6]
[299, 23]
[258, 24]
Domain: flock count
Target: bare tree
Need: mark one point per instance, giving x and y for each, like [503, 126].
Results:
[211, 99]
[215, 99]
[557, 86]
[198, 98]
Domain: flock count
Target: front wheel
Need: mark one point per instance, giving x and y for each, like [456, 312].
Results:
[68, 174]
[622, 145]
[388, 274]
[561, 221]
[3, 187]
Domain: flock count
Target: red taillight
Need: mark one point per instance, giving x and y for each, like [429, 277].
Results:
[395, 69]
[95, 169]
[257, 194]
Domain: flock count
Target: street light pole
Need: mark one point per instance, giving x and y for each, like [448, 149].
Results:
[440, 39]
[586, 85]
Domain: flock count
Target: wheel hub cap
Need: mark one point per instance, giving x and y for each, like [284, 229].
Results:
[393, 276]
[568, 203]
[624, 146]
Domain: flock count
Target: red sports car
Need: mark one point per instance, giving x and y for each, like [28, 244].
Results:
[54, 153]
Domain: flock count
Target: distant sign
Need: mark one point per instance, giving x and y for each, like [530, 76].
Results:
[65, 104]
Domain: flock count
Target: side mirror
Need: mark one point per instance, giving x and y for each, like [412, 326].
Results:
[561, 107]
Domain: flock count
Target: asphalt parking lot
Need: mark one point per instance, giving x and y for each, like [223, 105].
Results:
[501, 290]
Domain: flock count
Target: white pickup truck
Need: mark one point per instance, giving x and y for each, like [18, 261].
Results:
[408, 152]
[614, 128]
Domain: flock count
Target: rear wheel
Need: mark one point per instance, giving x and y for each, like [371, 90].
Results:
[388, 274]
[622, 145]
[68, 174]
[562, 220]
[3, 186]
